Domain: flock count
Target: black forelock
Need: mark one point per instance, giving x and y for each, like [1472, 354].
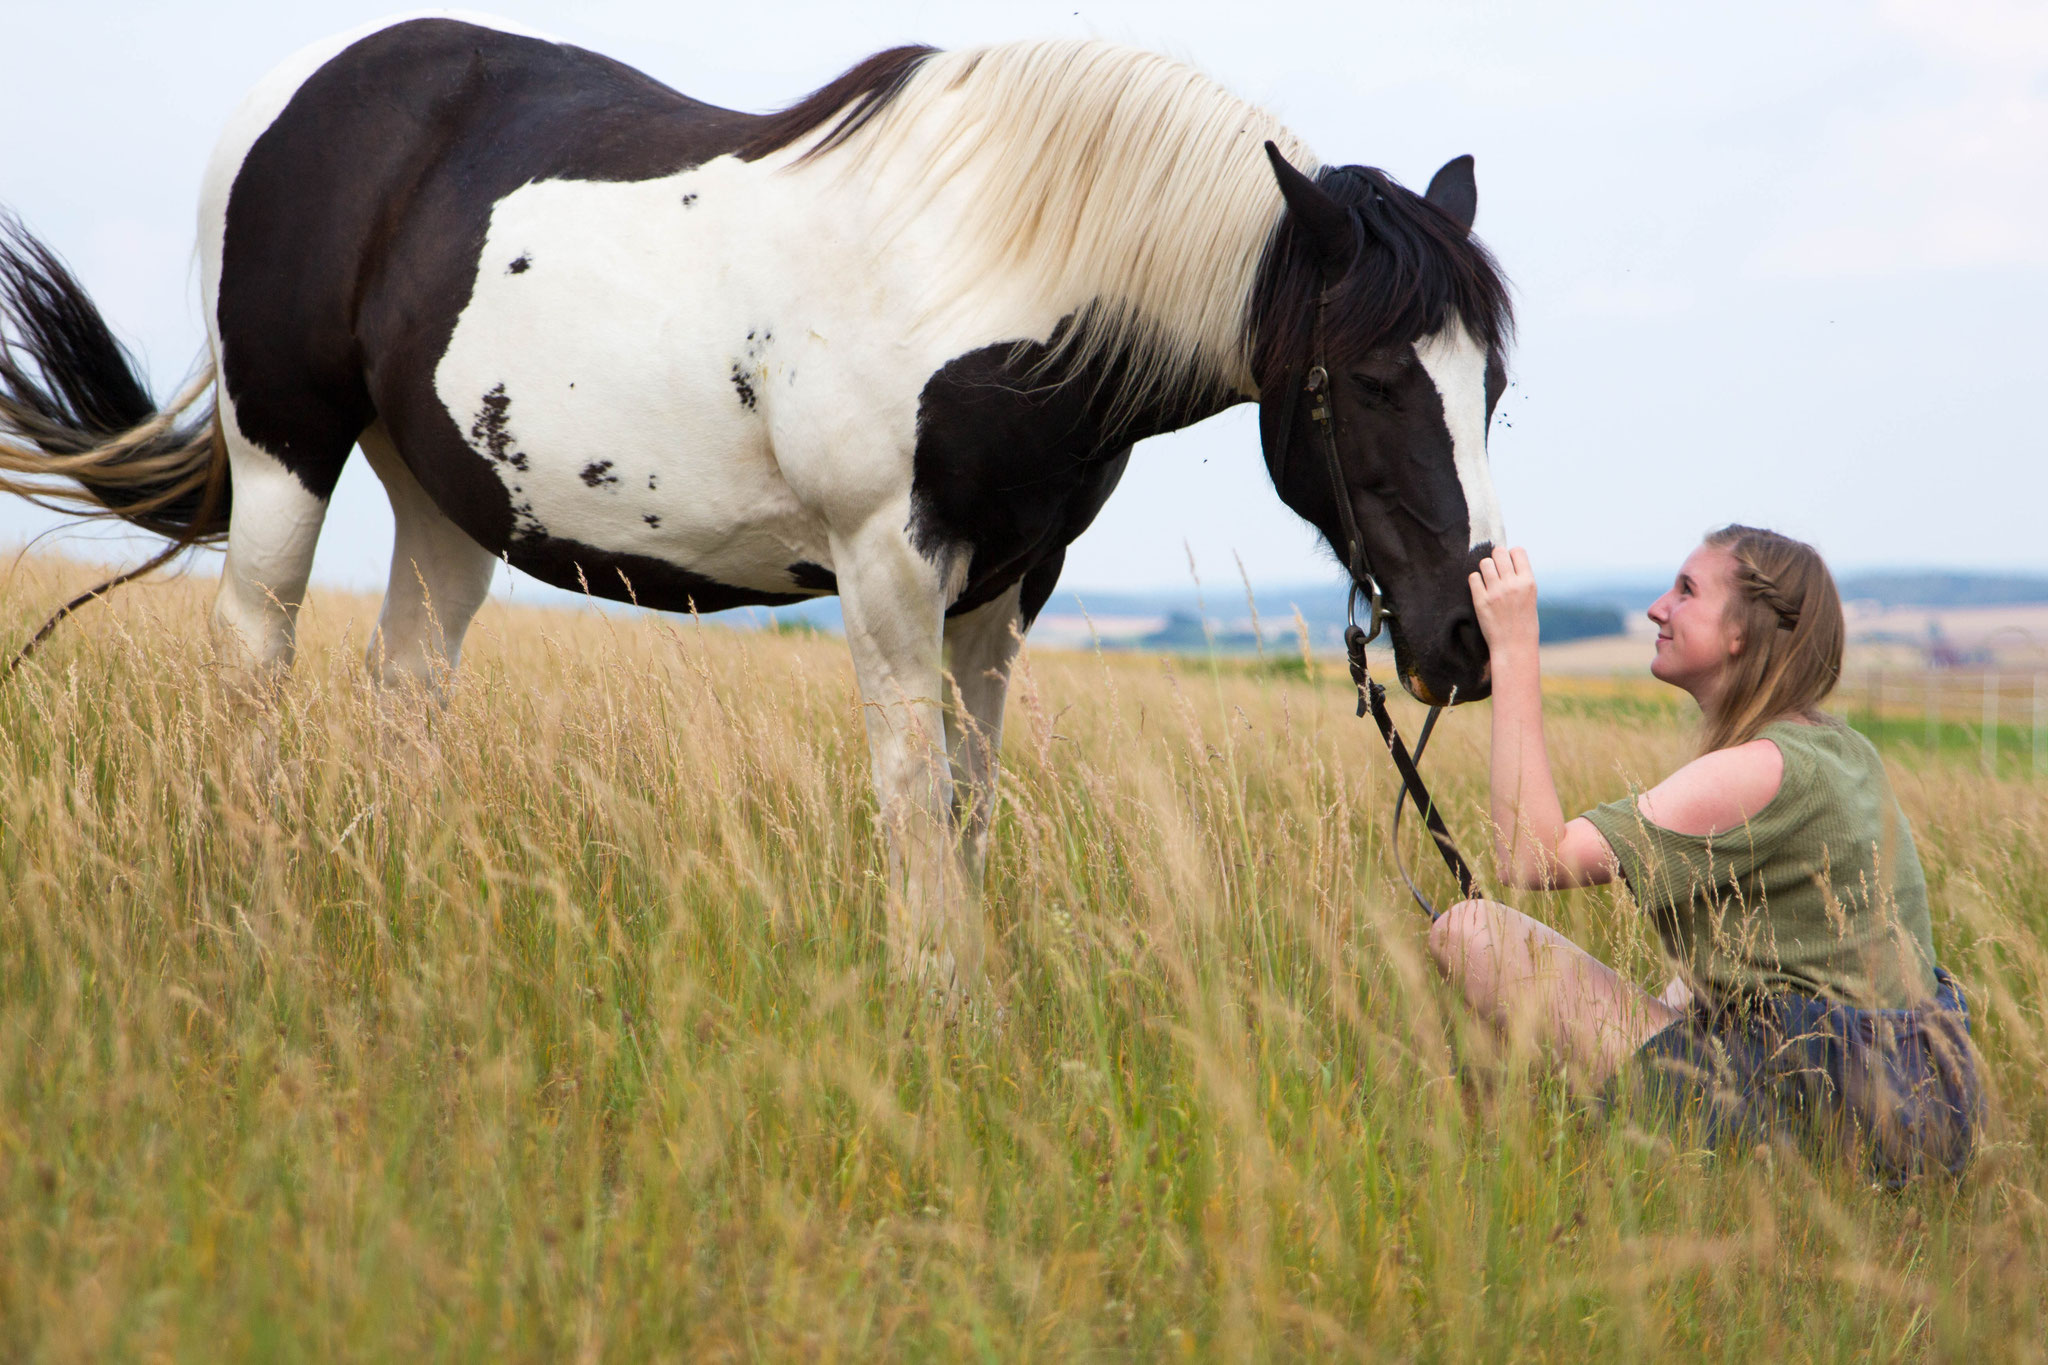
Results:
[1411, 268]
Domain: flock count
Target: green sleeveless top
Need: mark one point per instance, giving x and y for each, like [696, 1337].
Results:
[1821, 891]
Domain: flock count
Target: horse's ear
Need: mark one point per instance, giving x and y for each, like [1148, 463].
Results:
[1454, 190]
[1331, 232]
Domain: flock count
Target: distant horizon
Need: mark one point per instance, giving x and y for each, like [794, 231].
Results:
[123, 548]
[1606, 577]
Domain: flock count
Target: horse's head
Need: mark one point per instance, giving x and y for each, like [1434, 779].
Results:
[1379, 330]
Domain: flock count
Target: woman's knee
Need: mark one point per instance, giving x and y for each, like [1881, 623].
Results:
[1462, 932]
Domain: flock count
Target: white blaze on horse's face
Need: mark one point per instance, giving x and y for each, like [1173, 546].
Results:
[1456, 364]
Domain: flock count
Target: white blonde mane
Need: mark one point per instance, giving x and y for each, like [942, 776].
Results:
[1101, 174]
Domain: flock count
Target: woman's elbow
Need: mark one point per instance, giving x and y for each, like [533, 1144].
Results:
[1518, 874]
[1544, 869]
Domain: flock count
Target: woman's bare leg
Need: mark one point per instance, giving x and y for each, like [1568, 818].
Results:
[1535, 985]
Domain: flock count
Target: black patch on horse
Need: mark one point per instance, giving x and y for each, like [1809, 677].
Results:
[744, 388]
[492, 429]
[640, 579]
[1013, 463]
[814, 577]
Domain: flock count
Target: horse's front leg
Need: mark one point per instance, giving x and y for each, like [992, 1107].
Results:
[893, 600]
[981, 647]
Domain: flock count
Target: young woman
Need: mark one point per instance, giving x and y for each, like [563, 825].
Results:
[1776, 866]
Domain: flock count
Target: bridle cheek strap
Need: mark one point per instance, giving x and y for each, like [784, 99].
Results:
[1372, 697]
[1357, 562]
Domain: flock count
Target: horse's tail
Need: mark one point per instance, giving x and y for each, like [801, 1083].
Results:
[79, 432]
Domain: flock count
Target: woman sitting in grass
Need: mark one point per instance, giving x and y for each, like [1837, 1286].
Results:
[1777, 867]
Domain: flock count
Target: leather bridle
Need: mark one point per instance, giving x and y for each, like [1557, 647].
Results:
[1372, 697]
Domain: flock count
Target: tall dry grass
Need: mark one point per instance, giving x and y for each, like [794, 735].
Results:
[550, 1023]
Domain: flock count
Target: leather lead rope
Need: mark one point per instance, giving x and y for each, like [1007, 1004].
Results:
[1372, 700]
[1372, 697]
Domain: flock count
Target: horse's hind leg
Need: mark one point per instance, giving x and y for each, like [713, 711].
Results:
[439, 577]
[273, 527]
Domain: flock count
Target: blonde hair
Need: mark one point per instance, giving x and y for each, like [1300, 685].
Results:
[1121, 184]
[1789, 614]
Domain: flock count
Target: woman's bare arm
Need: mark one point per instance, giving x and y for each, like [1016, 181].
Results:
[1533, 844]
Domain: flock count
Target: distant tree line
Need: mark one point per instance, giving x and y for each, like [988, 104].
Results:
[1932, 588]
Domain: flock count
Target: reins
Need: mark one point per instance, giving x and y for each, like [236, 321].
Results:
[1372, 697]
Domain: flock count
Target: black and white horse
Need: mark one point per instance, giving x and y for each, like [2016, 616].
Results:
[894, 342]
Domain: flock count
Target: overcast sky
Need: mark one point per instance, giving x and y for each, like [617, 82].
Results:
[1778, 262]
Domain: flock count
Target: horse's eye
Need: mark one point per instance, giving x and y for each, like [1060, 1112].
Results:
[1372, 392]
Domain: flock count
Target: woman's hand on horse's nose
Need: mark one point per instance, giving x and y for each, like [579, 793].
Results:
[1504, 598]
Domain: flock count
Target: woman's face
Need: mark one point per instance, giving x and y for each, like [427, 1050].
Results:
[1694, 640]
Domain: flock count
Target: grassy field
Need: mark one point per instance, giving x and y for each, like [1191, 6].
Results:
[549, 1025]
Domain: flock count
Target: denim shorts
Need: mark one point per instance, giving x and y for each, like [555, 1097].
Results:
[1897, 1089]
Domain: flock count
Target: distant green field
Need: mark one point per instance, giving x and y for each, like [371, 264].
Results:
[1953, 742]
[551, 1024]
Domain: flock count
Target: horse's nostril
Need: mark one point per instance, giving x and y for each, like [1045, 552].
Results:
[1468, 642]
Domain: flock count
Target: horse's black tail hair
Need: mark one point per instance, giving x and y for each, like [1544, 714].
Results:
[79, 432]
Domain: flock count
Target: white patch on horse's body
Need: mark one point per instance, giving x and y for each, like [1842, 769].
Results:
[642, 375]
[637, 381]
[1457, 366]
